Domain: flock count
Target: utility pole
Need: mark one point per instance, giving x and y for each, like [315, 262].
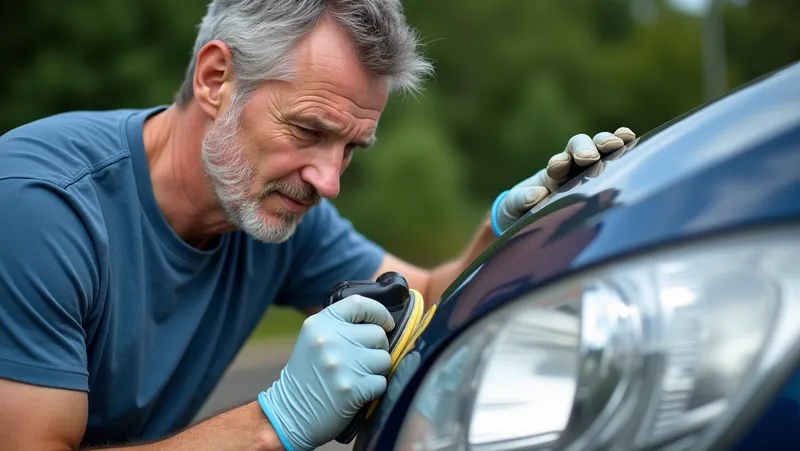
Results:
[713, 41]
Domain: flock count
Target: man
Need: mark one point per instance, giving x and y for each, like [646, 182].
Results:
[139, 248]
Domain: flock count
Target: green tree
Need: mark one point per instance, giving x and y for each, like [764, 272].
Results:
[407, 193]
[515, 79]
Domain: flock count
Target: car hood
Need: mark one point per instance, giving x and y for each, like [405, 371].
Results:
[728, 165]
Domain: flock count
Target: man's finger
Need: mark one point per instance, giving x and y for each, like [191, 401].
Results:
[523, 198]
[607, 143]
[360, 309]
[625, 134]
[369, 335]
[583, 150]
[371, 387]
[558, 166]
[375, 361]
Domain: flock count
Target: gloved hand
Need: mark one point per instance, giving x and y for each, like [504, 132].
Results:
[336, 367]
[581, 150]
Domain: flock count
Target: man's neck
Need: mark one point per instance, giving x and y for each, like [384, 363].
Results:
[172, 141]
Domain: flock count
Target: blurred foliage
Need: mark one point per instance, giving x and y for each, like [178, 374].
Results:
[515, 79]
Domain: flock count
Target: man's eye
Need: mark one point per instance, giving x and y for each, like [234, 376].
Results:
[306, 131]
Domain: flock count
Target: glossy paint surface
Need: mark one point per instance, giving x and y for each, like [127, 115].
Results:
[725, 167]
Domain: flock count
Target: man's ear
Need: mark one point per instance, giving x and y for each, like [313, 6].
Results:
[213, 78]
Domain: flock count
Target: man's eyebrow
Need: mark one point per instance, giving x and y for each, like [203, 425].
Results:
[319, 124]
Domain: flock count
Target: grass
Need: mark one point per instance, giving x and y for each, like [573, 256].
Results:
[279, 322]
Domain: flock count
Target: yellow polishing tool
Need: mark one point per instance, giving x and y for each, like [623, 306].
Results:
[408, 310]
[408, 336]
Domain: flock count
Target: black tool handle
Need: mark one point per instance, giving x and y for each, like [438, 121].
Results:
[390, 289]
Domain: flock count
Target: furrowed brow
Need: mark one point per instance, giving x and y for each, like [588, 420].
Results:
[319, 124]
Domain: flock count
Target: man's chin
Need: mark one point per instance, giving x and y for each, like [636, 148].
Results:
[282, 237]
[272, 234]
[282, 225]
[271, 228]
[281, 230]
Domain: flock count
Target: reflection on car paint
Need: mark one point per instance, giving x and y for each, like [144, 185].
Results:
[556, 239]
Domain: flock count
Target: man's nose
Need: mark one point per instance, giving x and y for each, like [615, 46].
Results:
[324, 171]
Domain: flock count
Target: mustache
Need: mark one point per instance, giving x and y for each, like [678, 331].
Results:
[302, 192]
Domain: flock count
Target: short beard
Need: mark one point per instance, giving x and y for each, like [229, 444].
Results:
[232, 178]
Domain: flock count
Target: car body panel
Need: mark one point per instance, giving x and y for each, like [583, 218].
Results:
[730, 165]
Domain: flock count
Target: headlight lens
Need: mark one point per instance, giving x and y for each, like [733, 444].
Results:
[646, 352]
[536, 352]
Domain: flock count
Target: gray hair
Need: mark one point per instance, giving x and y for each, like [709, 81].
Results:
[261, 35]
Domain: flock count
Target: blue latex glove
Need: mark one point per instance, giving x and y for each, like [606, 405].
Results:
[337, 366]
[581, 150]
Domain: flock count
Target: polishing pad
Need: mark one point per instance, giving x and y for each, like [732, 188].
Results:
[407, 308]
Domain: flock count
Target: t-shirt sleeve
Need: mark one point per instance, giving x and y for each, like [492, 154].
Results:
[327, 250]
[48, 281]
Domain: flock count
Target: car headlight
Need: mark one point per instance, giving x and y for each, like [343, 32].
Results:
[655, 350]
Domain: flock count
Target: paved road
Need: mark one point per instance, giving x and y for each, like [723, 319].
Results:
[255, 368]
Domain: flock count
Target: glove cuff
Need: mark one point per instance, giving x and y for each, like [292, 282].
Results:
[495, 206]
[262, 401]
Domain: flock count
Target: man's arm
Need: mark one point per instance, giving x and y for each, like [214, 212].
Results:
[432, 283]
[39, 418]
[36, 418]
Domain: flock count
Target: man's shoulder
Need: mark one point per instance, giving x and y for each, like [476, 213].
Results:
[65, 146]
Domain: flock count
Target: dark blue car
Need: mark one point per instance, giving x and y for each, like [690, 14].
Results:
[653, 302]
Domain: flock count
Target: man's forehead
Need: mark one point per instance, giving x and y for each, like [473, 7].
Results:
[327, 59]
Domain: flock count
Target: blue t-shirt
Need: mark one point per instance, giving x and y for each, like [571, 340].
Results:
[97, 293]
